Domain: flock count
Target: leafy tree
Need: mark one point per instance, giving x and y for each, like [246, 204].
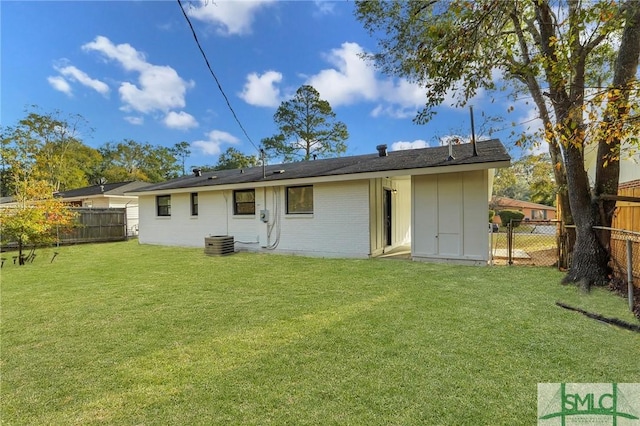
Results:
[307, 127]
[36, 217]
[509, 183]
[6, 154]
[181, 151]
[57, 154]
[229, 160]
[530, 178]
[160, 164]
[129, 160]
[552, 50]
[234, 159]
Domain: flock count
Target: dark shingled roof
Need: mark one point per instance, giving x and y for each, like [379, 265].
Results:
[118, 188]
[490, 151]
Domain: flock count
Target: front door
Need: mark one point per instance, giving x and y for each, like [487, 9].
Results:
[386, 216]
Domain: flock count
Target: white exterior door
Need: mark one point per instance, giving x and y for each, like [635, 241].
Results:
[449, 210]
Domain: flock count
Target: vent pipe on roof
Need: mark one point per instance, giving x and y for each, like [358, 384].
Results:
[450, 157]
[382, 150]
[473, 134]
[197, 172]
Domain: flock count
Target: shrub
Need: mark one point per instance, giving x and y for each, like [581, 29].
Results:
[506, 216]
[492, 213]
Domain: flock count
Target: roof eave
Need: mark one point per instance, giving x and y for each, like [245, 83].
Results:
[330, 178]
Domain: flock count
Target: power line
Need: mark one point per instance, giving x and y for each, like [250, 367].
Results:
[195, 37]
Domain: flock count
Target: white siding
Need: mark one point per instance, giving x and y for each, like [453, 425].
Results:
[402, 212]
[450, 217]
[476, 215]
[131, 206]
[97, 203]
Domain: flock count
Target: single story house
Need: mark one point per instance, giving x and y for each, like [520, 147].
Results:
[531, 211]
[108, 195]
[433, 201]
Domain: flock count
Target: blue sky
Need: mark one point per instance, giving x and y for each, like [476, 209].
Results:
[133, 70]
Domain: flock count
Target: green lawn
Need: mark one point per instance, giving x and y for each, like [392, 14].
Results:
[525, 241]
[127, 334]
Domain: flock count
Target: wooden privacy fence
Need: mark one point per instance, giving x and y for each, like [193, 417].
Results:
[96, 225]
[627, 214]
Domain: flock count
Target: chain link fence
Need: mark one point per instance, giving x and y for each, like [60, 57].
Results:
[542, 243]
[624, 251]
[527, 242]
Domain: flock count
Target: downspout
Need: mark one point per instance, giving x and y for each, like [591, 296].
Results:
[126, 221]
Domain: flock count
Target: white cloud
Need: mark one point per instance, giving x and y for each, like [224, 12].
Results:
[60, 84]
[229, 17]
[137, 121]
[401, 145]
[74, 74]
[125, 54]
[325, 7]
[394, 111]
[403, 93]
[215, 138]
[159, 88]
[180, 120]
[352, 79]
[261, 90]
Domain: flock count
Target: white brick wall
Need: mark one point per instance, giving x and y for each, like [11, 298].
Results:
[339, 225]
[182, 229]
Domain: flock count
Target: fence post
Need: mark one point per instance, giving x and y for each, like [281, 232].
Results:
[510, 241]
[630, 274]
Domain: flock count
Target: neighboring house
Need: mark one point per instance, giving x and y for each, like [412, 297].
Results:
[629, 162]
[360, 206]
[109, 195]
[531, 211]
[627, 214]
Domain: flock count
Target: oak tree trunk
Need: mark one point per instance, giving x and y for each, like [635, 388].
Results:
[591, 252]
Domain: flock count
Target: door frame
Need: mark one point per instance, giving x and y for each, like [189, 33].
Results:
[387, 216]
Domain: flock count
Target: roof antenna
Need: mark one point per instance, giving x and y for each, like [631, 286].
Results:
[473, 133]
[264, 171]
